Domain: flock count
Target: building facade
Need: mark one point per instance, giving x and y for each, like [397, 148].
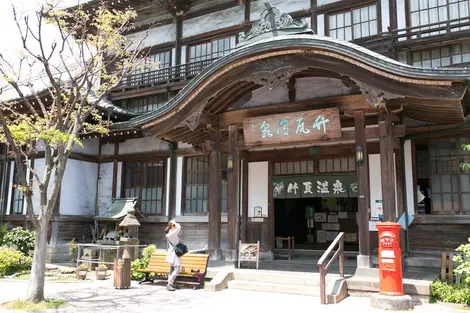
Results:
[302, 118]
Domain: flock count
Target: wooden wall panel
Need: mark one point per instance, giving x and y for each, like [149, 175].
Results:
[80, 230]
[437, 237]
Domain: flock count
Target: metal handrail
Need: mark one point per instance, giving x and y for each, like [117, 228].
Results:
[339, 254]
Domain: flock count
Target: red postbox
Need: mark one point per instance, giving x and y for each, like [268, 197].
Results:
[391, 276]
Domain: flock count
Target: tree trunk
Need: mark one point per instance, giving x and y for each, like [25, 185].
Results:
[35, 292]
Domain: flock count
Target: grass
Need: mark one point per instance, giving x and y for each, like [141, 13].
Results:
[27, 306]
[25, 276]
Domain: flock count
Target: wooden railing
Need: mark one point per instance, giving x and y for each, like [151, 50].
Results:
[323, 268]
[290, 245]
[174, 74]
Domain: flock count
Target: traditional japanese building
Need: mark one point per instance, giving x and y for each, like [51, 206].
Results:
[291, 118]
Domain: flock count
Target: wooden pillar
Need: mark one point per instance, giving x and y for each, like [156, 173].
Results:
[363, 260]
[215, 191]
[244, 234]
[313, 10]
[393, 14]
[172, 181]
[387, 166]
[271, 221]
[232, 196]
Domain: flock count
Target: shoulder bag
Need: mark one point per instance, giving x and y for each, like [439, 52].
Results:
[180, 249]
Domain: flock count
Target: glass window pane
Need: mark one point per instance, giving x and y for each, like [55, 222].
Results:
[436, 184]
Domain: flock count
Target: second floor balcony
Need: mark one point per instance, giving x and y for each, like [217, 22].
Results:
[387, 43]
[165, 76]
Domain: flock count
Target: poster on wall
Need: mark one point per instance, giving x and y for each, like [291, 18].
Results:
[334, 226]
[350, 237]
[321, 236]
[330, 235]
[320, 217]
[325, 226]
[373, 221]
[379, 211]
[333, 218]
[342, 215]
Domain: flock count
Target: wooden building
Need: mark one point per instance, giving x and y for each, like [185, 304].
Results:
[301, 118]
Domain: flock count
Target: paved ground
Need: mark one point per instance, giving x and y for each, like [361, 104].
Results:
[100, 296]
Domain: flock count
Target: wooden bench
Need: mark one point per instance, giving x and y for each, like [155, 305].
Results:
[193, 269]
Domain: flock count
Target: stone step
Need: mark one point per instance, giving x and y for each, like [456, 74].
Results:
[274, 277]
[274, 287]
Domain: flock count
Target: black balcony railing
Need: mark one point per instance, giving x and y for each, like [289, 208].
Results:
[174, 74]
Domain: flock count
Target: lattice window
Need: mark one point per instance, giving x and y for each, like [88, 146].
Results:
[425, 12]
[157, 61]
[355, 23]
[337, 165]
[213, 49]
[197, 184]
[441, 57]
[145, 104]
[293, 168]
[445, 185]
[17, 201]
[146, 181]
[422, 164]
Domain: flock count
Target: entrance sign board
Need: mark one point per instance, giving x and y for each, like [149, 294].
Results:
[338, 186]
[248, 252]
[311, 125]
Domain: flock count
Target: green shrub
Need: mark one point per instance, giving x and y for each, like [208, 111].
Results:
[21, 238]
[3, 231]
[13, 261]
[452, 293]
[464, 262]
[142, 262]
[73, 250]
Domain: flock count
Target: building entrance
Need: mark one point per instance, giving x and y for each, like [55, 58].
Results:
[315, 222]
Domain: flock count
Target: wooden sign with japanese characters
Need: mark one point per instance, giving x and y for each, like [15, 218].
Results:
[338, 186]
[292, 127]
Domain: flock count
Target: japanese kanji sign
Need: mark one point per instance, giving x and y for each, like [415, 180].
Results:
[339, 186]
[292, 127]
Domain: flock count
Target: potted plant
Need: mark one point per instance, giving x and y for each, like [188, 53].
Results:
[101, 272]
[82, 270]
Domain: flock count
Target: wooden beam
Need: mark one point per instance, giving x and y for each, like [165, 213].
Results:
[344, 103]
[232, 183]
[363, 186]
[208, 118]
[387, 166]
[214, 202]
